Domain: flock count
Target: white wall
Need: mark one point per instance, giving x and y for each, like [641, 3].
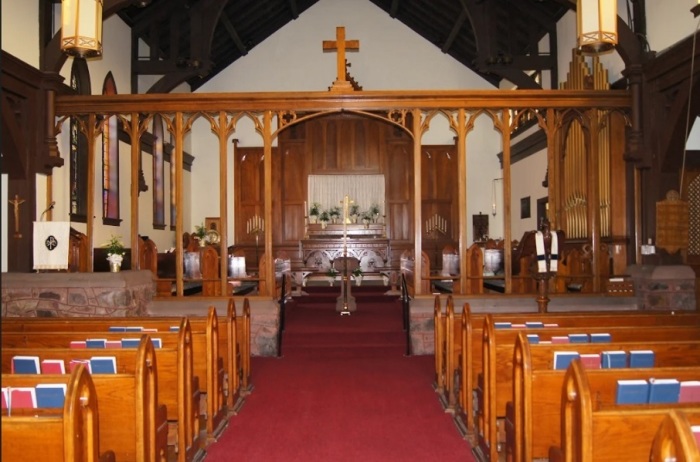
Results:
[391, 57]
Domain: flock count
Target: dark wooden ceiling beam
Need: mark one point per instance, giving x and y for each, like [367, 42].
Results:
[454, 31]
[395, 4]
[233, 34]
[294, 8]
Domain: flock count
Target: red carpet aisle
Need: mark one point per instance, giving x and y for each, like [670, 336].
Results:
[343, 391]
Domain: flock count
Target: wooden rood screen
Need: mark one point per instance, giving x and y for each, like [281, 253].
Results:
[410, 111]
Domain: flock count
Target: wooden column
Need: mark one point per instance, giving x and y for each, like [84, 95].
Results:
[507, 199]
[417, 202]
[267, 212]
[223, 131]
[462, 200]
[594, 193]
[91, 135]
[179, 197]
[553, 169]
[135, 134]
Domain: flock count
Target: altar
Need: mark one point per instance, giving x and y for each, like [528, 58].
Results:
[324, 244]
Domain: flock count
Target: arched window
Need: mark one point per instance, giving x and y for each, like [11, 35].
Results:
[80, 82]
[158, 174]
[110, 161]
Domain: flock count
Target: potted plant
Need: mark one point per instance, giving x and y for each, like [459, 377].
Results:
[314, 212]
[366, 218]
[354, 212]
[115, 253]
[357, 274]
[324, 218]
[374, 212]
[334, 214]
[331, 273]
[200, 233]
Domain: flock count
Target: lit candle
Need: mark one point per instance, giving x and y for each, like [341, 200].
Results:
[305, 209]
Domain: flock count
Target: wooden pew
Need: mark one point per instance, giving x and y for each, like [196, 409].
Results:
[675, 440]
[471, 338]
[209, 368]
[137, 432]
[495, 387]
[594, 428]
[533, 417]
[70, 436]
[178, 388]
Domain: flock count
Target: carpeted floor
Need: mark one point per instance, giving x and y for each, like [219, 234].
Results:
[343, 391]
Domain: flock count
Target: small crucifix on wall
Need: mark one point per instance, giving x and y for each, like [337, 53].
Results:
[341, 46]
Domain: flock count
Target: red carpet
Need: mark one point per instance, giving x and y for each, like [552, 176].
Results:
[343, 391]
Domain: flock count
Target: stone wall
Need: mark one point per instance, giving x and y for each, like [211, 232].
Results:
[670, 287]
[127, 293]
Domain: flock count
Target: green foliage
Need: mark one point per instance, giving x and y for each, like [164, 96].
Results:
[324, 216]
[115, 246]
[315, 209]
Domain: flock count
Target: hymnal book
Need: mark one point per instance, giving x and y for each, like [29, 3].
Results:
[551, 324]
[113, 344]
[632, 392]
[131, 342]
[533, 338]
[696, 431]
[117, 329]
[103, 365]
[25, 365]
[5, 397]
[53, 366]
[78, 344]
[590, 360]
[96, 343]
[562, 359]
[497, 325]
[689, 392]
[50, 395]
[664, 391]
[518, 325]
[133, 329]
[75, 362]
[578, 338]
[601, 337]
[560, 339]
[157, 342]
[22, 398]
[534, 324]
[641, 358]
[149, 329]
[613, 359]
[174, 328]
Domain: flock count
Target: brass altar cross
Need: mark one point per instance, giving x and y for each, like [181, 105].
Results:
[341, 45]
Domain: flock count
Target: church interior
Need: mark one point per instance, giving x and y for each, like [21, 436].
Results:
[464, 196]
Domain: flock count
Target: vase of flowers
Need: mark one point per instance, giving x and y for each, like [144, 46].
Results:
[200, 233]
[357, 274]
[314, 212]
[354, 212]
[374, 212]
[334, 214]
[324, 218]
[115, 253]
[331, 273]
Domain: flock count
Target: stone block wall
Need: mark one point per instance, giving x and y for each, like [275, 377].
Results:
[669, 287]
[127, 293]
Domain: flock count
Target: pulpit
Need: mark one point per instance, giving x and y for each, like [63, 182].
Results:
[367, 243]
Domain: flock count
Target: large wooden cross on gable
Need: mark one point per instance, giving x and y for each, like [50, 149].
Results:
[341, 46]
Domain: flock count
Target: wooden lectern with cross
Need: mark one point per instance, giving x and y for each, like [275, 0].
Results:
[341, 46]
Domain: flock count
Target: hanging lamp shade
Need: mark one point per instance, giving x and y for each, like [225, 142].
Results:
[597, 25]
[81, 27]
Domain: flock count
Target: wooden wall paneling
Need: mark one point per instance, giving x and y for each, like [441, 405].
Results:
[618, 196]
[249, 190]
[293, 193]
[398, 175]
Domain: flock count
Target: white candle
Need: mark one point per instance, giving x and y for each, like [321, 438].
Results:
[305, 209]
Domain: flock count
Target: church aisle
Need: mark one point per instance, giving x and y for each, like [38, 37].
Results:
[343, 391]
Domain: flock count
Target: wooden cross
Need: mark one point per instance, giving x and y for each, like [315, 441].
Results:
[341, 45]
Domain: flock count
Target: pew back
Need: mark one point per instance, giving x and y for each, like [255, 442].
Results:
[675, 440]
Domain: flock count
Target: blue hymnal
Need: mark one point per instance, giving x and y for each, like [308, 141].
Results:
[502, 325]
[174, 328]
[632, 392]
[602, 337]
[50, 395]
[131, 342]
[103, 365]
[117, 329]
[641, 358]
[157, 343]
[664, 390]
[96, 343]
[533, 338]
[534, 324]
[578, 338]
[562, 359]
[613, 359]
[25, 365]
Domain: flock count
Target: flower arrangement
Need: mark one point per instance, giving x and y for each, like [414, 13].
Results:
[374, 210]
[324, 216]
[200, 232]
[332, 272]
[115, 246]
[354, 210]
[315, 209]
[357, 272]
